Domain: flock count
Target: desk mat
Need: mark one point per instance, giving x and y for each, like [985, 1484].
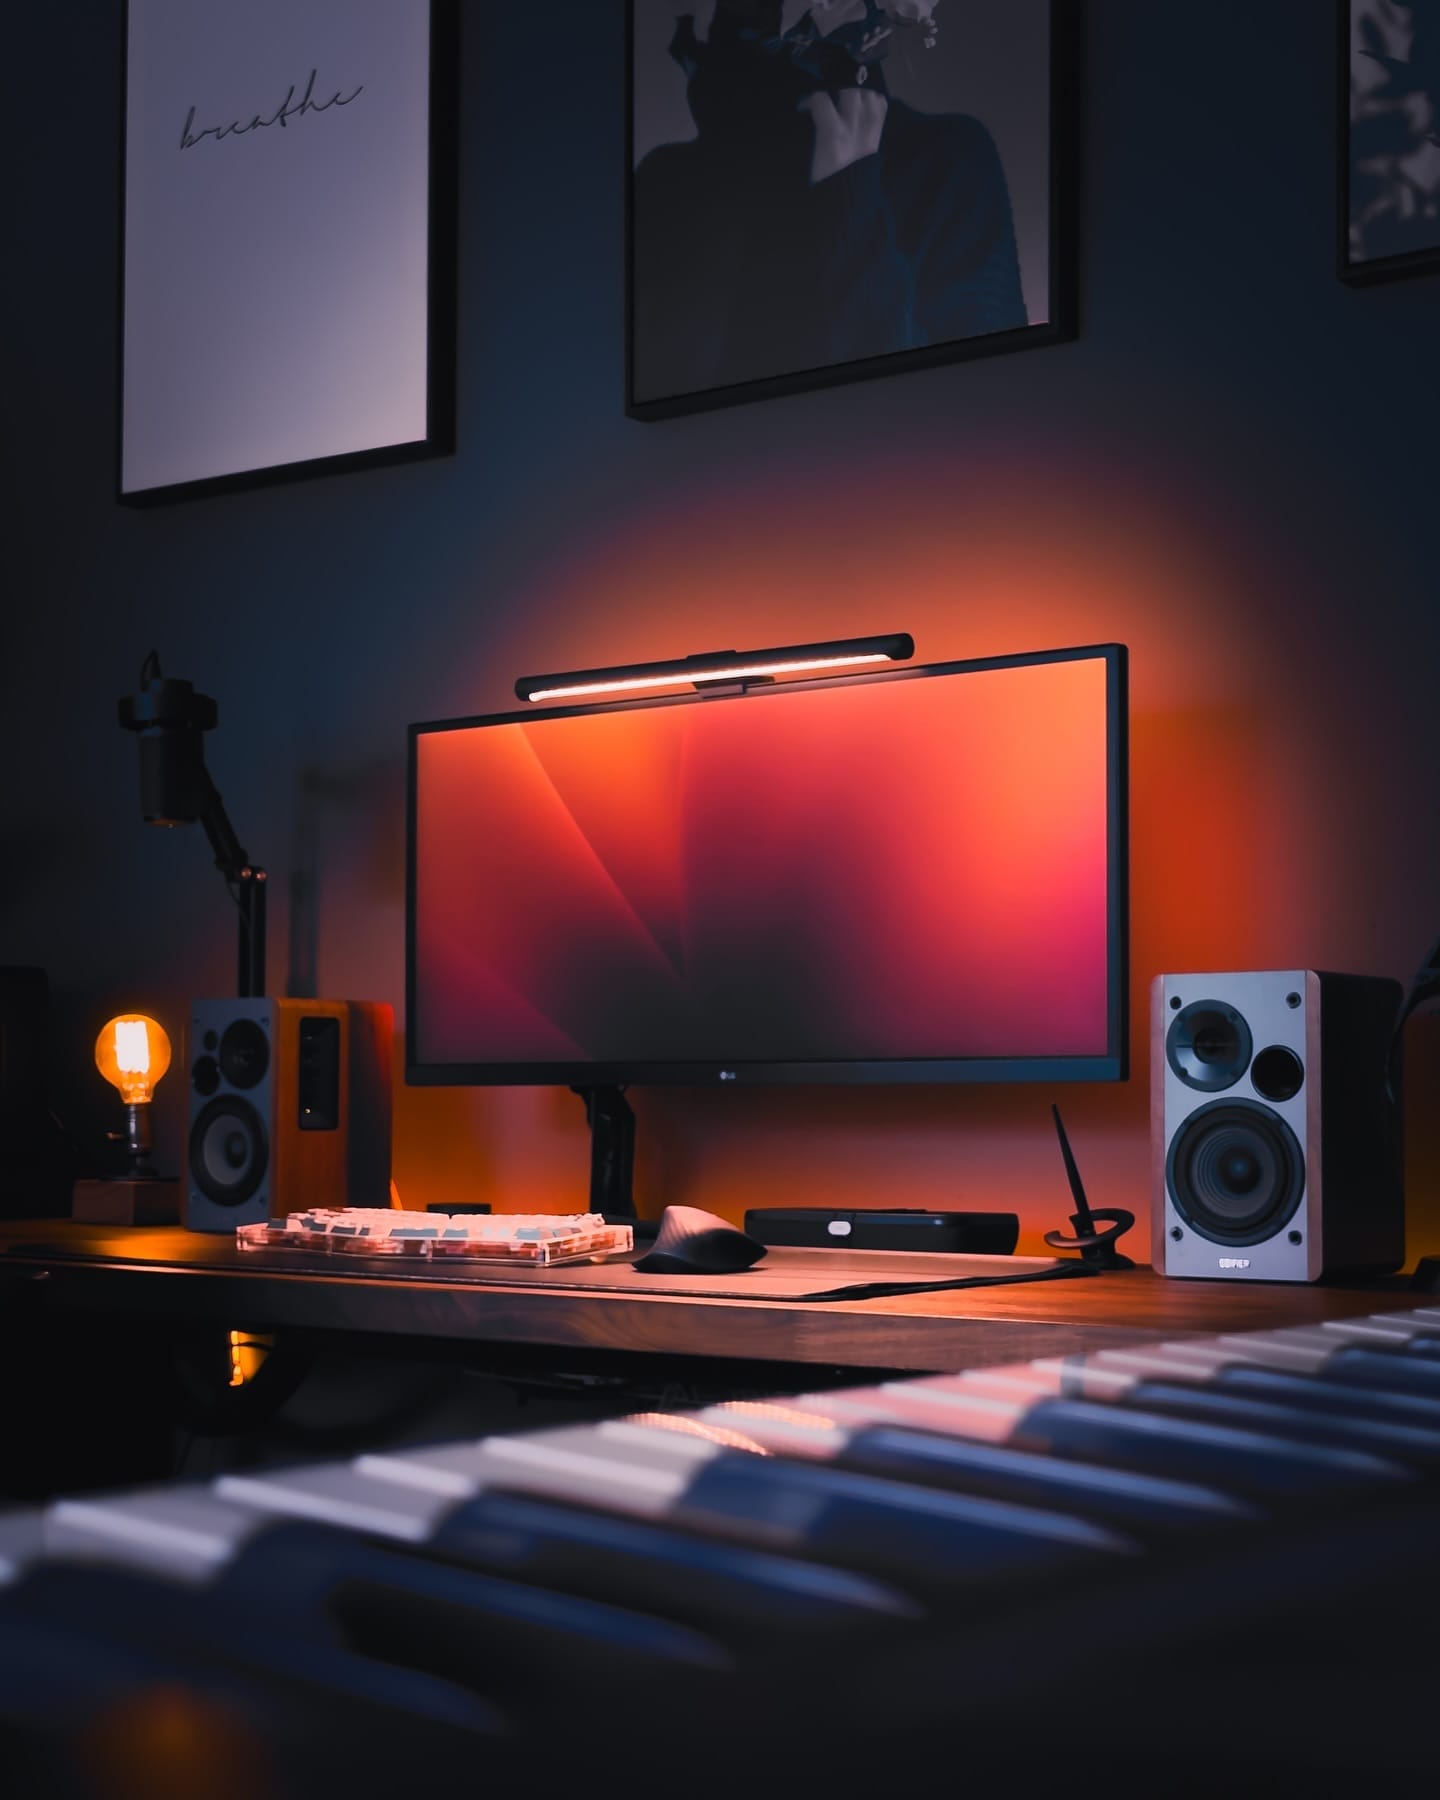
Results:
[784, 1274]
[797, 1276]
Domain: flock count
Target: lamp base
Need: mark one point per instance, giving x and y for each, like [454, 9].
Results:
[132, 1200]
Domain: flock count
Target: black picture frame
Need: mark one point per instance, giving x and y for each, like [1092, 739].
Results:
[438, 436]
[1406, 260]
[1060, 325]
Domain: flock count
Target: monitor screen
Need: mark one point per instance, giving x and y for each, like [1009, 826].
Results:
[917, 875]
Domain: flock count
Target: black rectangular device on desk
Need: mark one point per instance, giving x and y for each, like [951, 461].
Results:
[899, 1228]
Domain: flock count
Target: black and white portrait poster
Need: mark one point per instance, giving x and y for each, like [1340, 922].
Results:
[276, 306]
[1390, 138]
[839, 188]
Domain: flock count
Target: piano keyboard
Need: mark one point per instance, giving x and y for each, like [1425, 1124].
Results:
[1195, 1563]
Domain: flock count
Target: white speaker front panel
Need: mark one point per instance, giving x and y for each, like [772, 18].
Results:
[1262, 997]
[208, 1021]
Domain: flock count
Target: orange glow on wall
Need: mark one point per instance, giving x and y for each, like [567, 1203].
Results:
[1247, 803]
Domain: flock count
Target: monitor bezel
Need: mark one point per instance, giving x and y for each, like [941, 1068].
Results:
[1113, 1065]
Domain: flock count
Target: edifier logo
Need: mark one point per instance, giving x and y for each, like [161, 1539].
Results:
[1234, 1262]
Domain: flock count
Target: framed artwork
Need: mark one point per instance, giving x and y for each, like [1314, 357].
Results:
[1389, 134]
[824, 190]
[287, 272]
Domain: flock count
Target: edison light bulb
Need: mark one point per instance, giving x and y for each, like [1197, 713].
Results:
[132, 1053]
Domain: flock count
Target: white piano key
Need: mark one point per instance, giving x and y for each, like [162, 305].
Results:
[575, 1463]
[444, 1469]
[847, 1410]
[1050, 1378]
[22, 1541]
[1341, 1334]
[1294, 1351]
[923, 1403]
[1385, 1329]
[186, 1533]
[1127, 1367]
[1023, 1382]
[1303, 1337]
[688, 1437]
[337, 1494]
[1300, 1350]
[953, 1409]
[779, 1426]
[589, 1451]
[1200, 1353]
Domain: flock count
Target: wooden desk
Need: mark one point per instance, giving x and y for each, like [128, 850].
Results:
[164, 1272]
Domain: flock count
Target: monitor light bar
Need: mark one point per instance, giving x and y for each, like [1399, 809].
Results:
[719, 667]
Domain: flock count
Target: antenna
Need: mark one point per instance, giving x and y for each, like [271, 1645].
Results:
[1096, 1247]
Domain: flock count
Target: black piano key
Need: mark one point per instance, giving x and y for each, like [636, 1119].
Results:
[1420, 1346]
[500, 1638]
[49, 1672]
[1245, 1461]
[82, 1715]
[1122, 1497]
[1385, 1369]
[1405, 1443]
[921, 1537]
[1314, 1391]
[203, 1632]
[736, 1594]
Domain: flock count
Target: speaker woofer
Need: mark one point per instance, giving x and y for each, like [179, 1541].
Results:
[1235, 1172]
[229, 1152]
[1209, 1045]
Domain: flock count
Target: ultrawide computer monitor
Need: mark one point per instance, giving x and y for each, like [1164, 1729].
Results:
[913, 876]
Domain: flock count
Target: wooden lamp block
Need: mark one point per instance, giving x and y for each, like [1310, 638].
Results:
[142, 1200]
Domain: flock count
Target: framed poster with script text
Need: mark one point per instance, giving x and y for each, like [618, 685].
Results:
[287, 285]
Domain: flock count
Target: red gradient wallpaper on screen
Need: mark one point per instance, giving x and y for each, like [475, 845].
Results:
[904, 869]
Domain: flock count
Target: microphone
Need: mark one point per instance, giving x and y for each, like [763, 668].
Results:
[168, 718]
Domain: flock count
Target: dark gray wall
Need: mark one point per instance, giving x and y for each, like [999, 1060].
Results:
[1232, 470]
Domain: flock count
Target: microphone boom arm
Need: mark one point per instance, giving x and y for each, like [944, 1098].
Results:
[169, 719]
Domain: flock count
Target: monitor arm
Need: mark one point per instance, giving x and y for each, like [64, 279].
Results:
[612, 1150]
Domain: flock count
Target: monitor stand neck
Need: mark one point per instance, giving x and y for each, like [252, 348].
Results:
[612, 1150]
